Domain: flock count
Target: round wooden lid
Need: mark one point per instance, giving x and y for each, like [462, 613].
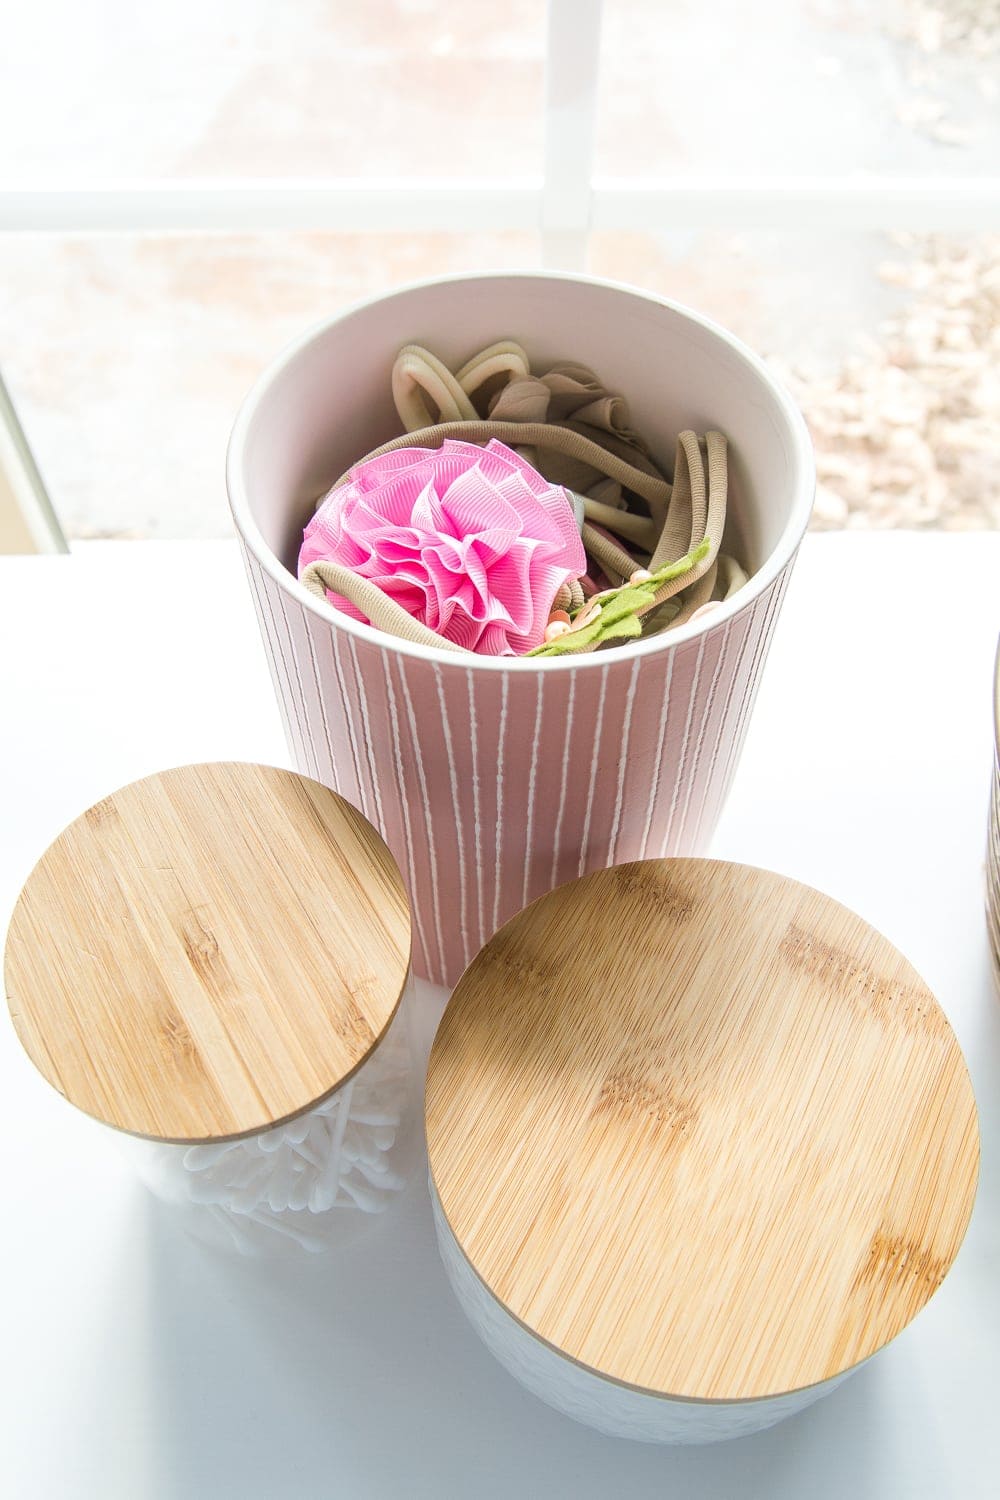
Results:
[208, 952]
[701, 1129]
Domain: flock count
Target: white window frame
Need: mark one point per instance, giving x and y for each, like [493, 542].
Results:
[565, 203]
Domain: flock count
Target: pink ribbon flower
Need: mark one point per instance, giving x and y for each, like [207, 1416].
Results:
[473, 542]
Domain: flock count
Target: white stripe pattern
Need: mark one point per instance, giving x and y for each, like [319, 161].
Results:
[342, 684]
[567, 751]
[678, 779]
[747, 621]
[366, 722]
[456, 803]
[765, 613]
[623, 758]
[428, 815]
[298, 699]
[658, 759]
[594, 762]
[474, 750]
[504, 690]
[530, 825]
[279, 665]
[692, 780]
[321, 700]
[417, 904]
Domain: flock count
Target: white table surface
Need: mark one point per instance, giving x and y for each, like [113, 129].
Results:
[135, 1365]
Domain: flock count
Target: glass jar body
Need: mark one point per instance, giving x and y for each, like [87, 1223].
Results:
[310, 1183]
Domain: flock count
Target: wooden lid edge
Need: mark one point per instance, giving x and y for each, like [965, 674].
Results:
[28, 1045]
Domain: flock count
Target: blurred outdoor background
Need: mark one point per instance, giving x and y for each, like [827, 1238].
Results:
[127, 354]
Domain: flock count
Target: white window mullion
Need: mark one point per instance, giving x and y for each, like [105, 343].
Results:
[846, 204]
[567, 207]
[572, 61]
[382, 205]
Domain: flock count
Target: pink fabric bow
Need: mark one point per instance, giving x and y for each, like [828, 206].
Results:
[471, 541]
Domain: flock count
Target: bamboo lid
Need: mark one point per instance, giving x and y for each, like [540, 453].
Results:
[701, 1129]
[208, 952]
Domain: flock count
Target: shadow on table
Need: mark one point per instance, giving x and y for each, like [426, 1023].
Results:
[357, 1375]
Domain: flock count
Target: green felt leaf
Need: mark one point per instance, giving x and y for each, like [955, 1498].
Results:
[689, 560]
[618, 616]
[624, 604]
[566, 645]
[630, 626]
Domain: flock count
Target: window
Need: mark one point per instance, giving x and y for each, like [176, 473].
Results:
[184, 190]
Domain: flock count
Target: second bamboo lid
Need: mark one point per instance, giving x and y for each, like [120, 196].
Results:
[701, 1130]
[208, 952]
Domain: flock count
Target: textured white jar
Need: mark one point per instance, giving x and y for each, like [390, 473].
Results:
[617, 1410]
[701, 1142]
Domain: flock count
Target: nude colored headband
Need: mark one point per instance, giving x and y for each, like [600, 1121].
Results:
[683, 570]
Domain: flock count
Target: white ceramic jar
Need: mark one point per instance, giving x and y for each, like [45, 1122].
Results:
[701, 1142]
[214, 961]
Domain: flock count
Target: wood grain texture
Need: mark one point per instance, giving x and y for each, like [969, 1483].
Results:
[701, 1129]
[208, 952]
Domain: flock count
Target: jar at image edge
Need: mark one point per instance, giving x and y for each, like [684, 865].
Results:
[215, 961]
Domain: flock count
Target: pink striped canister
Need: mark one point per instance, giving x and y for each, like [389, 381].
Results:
[492, 779]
